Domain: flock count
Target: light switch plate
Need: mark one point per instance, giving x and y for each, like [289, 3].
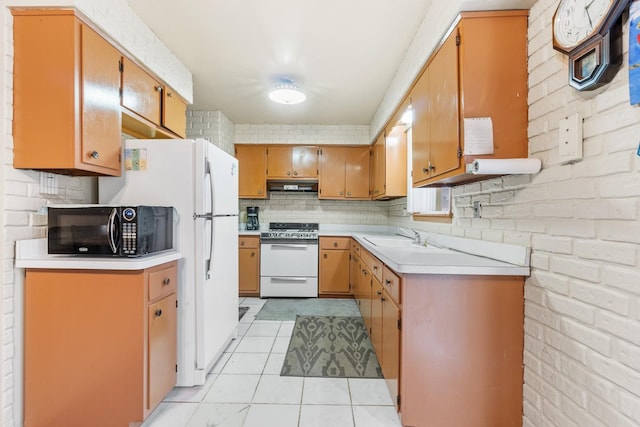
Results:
[570, 139]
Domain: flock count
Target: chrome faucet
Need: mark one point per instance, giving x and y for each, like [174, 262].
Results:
[416, 235]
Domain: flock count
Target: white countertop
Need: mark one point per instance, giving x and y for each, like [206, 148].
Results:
[33, 254]
[433, 260]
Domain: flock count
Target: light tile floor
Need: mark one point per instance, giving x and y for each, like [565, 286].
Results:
[245, 389]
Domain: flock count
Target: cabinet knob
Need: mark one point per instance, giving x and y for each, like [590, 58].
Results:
[253, 254]
[158, 88]
[326, 256]
[383, 299]
[425, 170]
[295, 173]
[387, 282]
[169, 94]
[335, 244]
[242, 243]
[259, 191]
[431, 167]
[94, 154]
[158, 313]
[348, 193]
[379, 293]
[166, 281]
[288, 173]
[342, 193]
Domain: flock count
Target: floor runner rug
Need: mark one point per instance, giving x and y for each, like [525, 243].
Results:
[332, 347]
[288, 308]
[242, 311]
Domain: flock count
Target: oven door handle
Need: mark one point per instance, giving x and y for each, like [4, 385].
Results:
[288, 246]
[290, 279]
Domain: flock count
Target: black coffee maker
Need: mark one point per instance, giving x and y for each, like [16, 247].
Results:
[252, 218]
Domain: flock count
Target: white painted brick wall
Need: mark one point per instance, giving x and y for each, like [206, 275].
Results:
[20, 198]
[213, 126]
[302, 134]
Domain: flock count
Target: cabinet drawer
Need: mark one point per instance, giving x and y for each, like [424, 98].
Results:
[163, 282]
[329, 243]
[355, 247]
[372, 263]
[391, 283]
[248, 242]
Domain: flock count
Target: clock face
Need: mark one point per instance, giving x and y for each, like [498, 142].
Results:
[576, 20]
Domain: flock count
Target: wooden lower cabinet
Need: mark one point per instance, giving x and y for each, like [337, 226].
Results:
[99, 346]
[334, 276]
[249, 263]
[461, 356]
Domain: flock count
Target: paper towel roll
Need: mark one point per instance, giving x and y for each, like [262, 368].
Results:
[505, 166]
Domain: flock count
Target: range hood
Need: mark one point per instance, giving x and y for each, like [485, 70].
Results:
[293, 186]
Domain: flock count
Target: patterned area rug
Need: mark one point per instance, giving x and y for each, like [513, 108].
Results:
[330, 346]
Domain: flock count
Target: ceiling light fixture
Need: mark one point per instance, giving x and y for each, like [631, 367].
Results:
[287, 93]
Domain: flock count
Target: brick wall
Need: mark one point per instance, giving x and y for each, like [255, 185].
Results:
[213, 126]
[20, 197]
[302, 134]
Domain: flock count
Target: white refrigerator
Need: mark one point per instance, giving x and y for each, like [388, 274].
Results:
[201, 181]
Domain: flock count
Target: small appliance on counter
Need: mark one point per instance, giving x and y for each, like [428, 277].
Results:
[252, 218]
[120, 231]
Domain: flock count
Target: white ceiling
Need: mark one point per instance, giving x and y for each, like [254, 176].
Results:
[343, 53]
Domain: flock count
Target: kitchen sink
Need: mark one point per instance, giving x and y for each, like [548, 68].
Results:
[392, 242]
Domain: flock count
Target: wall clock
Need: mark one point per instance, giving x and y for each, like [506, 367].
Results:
[589, 32]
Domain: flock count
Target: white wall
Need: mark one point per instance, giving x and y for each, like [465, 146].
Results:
[302, 134]
[20, 196]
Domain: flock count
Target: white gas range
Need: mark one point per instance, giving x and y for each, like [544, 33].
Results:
[289, 260]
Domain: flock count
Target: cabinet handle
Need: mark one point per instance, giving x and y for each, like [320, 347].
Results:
[348, 193]
[379, 293]
[326, 256]
[431, 167]
[169, 94]
[158, 88]
[253, 254]
[242, 243]
[387, 282]
[335, 244]
[95, 154]
[158, 313]
[288, 173]
[383, 299]
[295, 173]
[259, 191]
[342, 193]
[425, 170]
[375, 267]
[166, 281]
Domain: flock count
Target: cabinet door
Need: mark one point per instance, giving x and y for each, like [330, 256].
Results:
[141, 93]
[249, 274]
[376, 319]
[101, 128]
[390, 362]
[332, 172]
[304, 162]
[174, 112]
[421, 104]
[252, 165]
[444, 140]
[334, 272]
[357, 172]
[378, 164]
[162, 349]
[365, 285]
[279, 162]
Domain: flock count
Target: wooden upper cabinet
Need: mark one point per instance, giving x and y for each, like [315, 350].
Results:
[344, 172]
[476, 73]
[252, 166]
[60, 59]
[174, 112]
[141, 92]
[389, 160]
[292, 162]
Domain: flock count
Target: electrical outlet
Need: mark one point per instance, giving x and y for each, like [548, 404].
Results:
[570, 139]
[476, 209]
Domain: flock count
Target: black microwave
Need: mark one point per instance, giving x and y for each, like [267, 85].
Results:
[120, 231]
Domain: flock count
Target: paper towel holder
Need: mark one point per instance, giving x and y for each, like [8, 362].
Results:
[517, 166]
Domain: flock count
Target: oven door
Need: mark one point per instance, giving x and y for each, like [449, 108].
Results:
[289, 269]
[83, 230]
